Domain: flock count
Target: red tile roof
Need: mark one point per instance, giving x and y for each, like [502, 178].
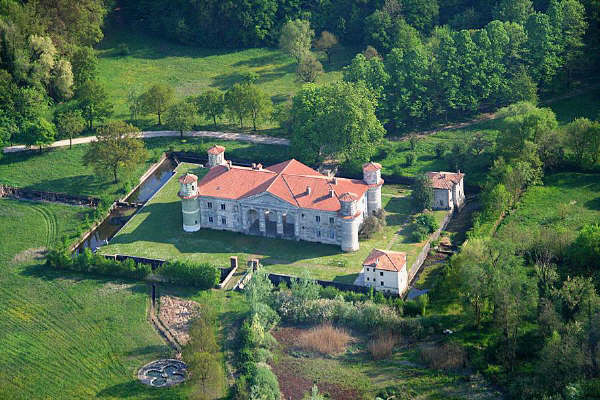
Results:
[445, 180]
[188, 178]
[386, 260]
[348, 197]
[371, 166]
[216, 149]
[288, 181]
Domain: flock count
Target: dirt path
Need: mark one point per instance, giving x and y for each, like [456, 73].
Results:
[241, 137]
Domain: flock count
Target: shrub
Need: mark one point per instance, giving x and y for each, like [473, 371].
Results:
[87, 261]
[440, 150]
[419, 234]
[369, 227]
[410, 158]
[382, 346]
[325, 339]
[447, 356]
[264, 385]
[202, 276]
[427, 221]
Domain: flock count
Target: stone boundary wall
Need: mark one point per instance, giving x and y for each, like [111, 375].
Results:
[55, 197]
[416, 266]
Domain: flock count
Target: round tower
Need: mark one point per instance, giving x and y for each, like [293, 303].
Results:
[350, 222]
[372, 177]
[188, 191]
[216, 156]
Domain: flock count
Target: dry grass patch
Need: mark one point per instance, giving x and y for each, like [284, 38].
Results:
[447, 356]
[325, 339]
[382, 346]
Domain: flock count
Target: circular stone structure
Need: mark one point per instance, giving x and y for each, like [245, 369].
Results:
[163, 373]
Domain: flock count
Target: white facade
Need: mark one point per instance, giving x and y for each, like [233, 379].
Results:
[385, 271]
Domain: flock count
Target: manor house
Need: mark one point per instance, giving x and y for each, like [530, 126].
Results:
[287, 200]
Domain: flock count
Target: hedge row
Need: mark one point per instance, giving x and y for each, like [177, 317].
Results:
[202, 276]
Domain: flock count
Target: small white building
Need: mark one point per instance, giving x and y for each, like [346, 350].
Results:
[448, 190]
[385, 271]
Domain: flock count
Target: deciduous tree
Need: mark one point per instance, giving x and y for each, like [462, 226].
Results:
[309, 68]
[336, 120]
[180, 116]
[422, 193]
[93, 102]
[296, 38]
[70, 124]
[116, 148]
[211, 104]
[39, 133]
[157, 99]
[85, 65]
[326, 43]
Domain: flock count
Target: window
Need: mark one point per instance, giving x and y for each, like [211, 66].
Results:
[224, 221]
[223, 206]
[318, 218]
[381, 283]
[367, 269]
[367, 278]
[210, 219]
[441, 202]
[332, 235]
[302, 215]
[331, 220]
[380, 273]
[209, 204]
[196, 222]
[318, 233]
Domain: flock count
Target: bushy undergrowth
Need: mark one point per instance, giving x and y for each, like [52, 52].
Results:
[201, 276]
[87, 261]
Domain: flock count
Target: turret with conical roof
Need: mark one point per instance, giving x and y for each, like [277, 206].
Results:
[188, 192]
[351, 219]
[372, 177]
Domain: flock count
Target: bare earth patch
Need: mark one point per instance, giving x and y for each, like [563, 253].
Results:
[176, 314]
[30, 255]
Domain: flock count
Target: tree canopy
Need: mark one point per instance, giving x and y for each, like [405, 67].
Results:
[335, 120]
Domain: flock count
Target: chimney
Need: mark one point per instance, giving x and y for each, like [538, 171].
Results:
[259, 167]
[331, 193]
[253, 165]
[308, 190]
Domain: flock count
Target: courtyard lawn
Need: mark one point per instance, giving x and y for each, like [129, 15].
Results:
[191, 70]
[62, 169]
[62, 335]
[156, 232]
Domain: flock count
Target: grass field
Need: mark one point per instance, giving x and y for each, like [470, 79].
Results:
[191, 70]
[66, 337]
[567, 201]
[62, 169]
[586, 105]
[156, 232]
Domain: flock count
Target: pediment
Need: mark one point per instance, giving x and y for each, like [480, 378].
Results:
[266, 199]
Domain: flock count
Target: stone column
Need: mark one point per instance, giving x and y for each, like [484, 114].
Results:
[262, 226]
[279, 222]
[297, 226]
